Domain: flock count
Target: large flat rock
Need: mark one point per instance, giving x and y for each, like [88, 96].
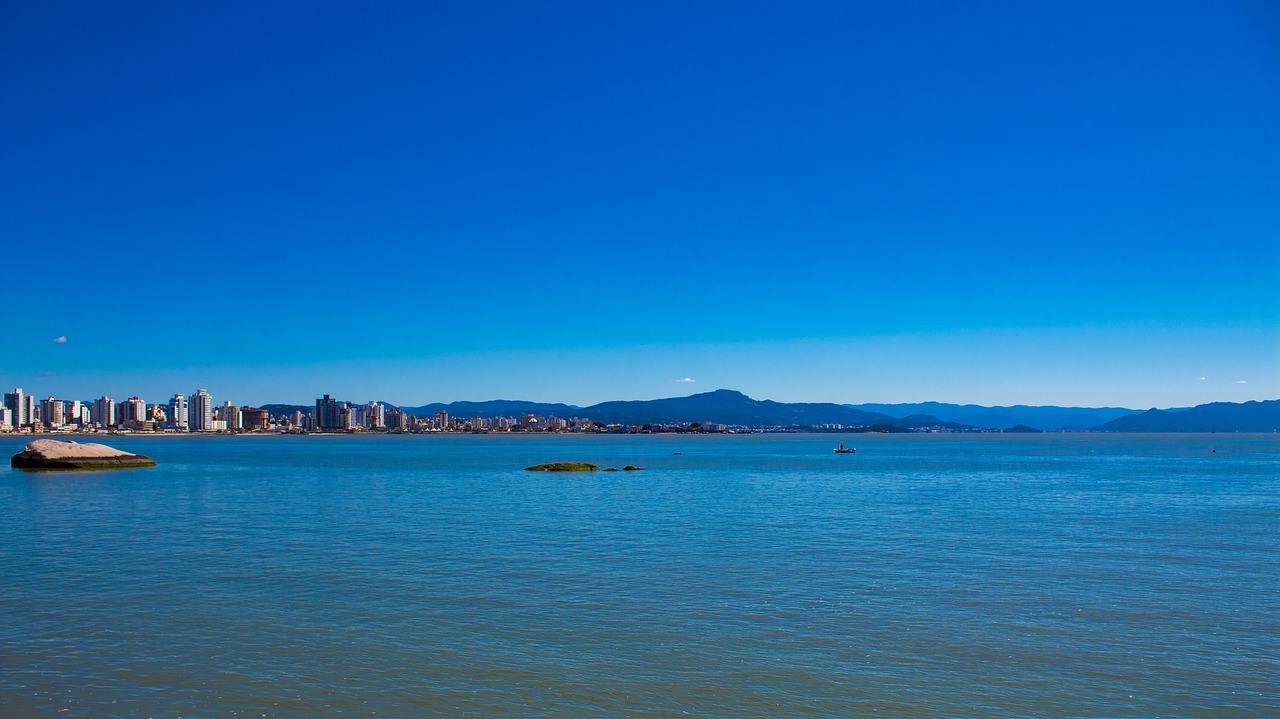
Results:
[52, 454]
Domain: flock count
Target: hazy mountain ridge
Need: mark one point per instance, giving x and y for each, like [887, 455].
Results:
[277, 410]
[735, 408]
[728, 407]
[1041, 417]
[496, 408]
[1254, 416]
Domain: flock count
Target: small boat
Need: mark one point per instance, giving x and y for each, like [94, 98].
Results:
[844, 450]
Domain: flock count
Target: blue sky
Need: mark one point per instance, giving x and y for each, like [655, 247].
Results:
[981, 202]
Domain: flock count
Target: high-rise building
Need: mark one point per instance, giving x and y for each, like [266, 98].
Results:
[104, 411]
[19, 403]
[328, 414]
[442, 419]
[74, 410]
[6, 419]
[200, 411]
[230, 414]
[178, 412]
[375, 415]
[52, 412]
[132, 410]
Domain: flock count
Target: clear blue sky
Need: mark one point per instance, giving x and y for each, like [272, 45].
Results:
[1072, 203]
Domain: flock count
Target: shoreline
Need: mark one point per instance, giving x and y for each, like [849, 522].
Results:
[108, 436]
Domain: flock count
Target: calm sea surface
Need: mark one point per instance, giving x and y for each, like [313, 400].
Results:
[755, 576]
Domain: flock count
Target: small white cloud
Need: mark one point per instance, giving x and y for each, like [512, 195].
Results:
[60, 339]
[686, 380]
[1242, 381]
[1203, 379]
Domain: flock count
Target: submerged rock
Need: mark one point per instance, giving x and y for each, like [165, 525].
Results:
[563, 467]
[52, 454]
[632, 468]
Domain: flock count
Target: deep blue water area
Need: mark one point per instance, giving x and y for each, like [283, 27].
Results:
[1054, 575]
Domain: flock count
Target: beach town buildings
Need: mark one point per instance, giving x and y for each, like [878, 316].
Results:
[197, 413]
[229, 414]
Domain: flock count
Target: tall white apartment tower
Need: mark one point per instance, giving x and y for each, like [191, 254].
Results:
[178, 412]
[16, 402]
[200, 411]
[73, 410]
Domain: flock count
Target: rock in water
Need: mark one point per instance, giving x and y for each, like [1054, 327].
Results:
[563, 467]
[52, 454]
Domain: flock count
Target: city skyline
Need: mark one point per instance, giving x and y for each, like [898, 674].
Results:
[715, 411]
[195, 410]
[586, 202]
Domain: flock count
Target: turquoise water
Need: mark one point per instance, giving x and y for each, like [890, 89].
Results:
[757, 576]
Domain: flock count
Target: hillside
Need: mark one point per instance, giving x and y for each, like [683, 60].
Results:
[496, 408]
[277, 410]
[1043, 417]
[725, 406]
[729, 407]
[1215, 417]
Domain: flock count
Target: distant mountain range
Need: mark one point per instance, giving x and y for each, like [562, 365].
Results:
[722, 406]
[497, 408]
[277, 410]
[1046, 418]
[1214, 417]
[735, 408]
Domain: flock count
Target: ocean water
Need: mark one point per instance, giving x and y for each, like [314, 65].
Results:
[752, 576]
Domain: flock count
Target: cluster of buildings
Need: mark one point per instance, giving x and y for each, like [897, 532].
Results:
[183, 413]
[197, 412]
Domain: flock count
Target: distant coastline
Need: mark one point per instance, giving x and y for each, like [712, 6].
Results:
[718, 412]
